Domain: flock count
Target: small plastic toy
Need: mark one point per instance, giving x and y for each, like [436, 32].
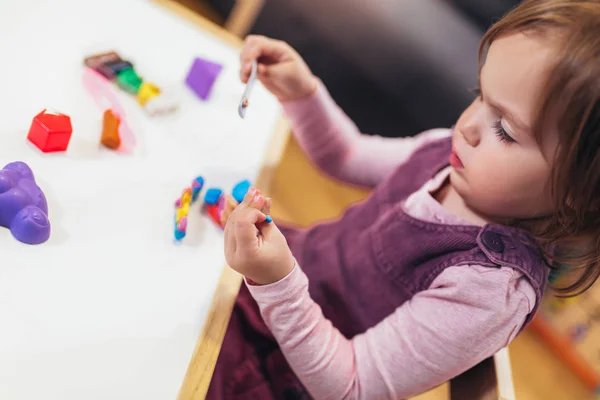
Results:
[202, 76]
[110, 130]
[50, 131]
[23, 206]
[182, 207]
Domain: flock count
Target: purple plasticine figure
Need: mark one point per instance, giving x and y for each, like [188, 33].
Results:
[202, 76]
[23, 206]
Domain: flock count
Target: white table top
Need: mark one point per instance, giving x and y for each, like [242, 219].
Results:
[110, 307]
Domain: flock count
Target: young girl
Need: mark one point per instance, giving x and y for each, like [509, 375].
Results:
[448, 259]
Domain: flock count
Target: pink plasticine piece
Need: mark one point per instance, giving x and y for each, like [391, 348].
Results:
[178, 203]
[182, 227]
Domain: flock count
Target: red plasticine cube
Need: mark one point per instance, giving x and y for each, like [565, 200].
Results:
[50, 131]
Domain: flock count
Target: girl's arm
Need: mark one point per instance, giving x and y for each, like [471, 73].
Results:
[468, 314]
[334, 143]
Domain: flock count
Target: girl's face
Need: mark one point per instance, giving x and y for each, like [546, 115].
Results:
[499, 169]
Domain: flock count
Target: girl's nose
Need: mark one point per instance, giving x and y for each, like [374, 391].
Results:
[471, 134]
[471, 129]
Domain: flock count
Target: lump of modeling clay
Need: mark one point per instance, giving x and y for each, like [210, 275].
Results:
[23, 206]
[110, 130]
[202, 76]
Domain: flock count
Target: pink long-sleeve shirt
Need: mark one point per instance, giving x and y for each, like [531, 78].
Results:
[467, 314]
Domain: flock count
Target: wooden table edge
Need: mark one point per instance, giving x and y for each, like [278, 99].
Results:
[204, 358]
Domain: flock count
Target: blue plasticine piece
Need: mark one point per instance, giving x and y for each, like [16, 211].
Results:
[195, 193]
[240, 190]
[269, 219]
[179, 235]
[197, 185]
[212, 196]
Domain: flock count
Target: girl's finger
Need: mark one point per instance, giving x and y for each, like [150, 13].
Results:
[258, 201]
[246, 232]
[229, 236]
[267, 206]
[248, 197]
[267, 210]
[230, 202]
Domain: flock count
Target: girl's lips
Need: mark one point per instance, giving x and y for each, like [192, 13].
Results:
[455, 160]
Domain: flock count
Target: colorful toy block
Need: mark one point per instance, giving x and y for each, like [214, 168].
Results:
[50, 131]
[202, 76]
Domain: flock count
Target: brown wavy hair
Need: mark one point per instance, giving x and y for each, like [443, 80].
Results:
[570, 238]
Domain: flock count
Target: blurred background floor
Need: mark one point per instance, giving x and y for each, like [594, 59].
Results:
[302, 195]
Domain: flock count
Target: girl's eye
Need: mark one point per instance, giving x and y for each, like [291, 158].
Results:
[501, 132]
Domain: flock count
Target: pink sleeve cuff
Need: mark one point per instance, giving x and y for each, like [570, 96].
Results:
[292, 285]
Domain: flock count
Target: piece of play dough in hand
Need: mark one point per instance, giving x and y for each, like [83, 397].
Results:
[23, 206]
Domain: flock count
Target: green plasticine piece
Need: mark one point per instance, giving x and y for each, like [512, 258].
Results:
[129, 81]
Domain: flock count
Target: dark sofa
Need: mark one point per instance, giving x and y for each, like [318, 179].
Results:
[397, 67]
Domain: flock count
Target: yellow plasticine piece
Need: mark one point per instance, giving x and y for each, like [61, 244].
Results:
[147, 91]
[186, 198]
[186, 209]
[183, 211]
[179, 215]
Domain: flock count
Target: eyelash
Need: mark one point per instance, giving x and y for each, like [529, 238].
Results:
[499, 130]
[501, 133]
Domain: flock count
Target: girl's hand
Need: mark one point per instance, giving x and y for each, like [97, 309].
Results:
[230, 205]
[280, 68]
[253, 247]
